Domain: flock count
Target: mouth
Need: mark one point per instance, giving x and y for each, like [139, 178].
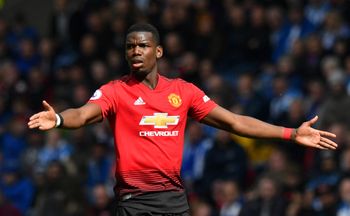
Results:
[136, 63]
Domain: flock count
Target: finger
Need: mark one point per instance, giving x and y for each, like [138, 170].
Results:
[35, 116]
[47, 106]
[326, 133]
[320, 147]
[327, 145]
[312, 121]
[31, 122]
[329, 142]
[34, 125]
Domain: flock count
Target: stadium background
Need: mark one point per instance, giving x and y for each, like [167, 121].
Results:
[279, 61]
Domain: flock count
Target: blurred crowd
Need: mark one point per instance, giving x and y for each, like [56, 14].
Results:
[281, 61]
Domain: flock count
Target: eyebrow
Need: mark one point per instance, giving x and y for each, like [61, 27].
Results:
[142, 41]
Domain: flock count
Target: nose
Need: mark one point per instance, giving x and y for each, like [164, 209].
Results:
[137, 50]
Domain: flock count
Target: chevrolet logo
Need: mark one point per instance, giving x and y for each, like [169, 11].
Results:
[160, 120]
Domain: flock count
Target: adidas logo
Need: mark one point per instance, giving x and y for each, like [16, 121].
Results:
[139, 101]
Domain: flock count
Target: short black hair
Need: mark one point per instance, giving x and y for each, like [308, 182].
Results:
[145, 27]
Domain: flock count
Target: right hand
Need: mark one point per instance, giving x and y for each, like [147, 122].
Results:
[44, 120]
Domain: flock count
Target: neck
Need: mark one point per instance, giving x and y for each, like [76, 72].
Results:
[150, 80]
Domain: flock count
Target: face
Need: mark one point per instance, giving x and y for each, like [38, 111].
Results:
[345, 190]
[142, 52]
[267, 188]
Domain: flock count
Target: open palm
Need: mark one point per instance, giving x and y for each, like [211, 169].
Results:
[308, 136]
[44, 120]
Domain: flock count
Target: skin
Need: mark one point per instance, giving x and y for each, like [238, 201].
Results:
[141, 53]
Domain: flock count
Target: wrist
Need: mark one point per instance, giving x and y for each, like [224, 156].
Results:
[288, 133]
[59, 120]
[294, 133]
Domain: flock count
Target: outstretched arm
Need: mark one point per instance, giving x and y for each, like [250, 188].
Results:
[251, 127]
[72, 118]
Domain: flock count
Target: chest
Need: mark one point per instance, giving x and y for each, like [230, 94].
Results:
[162, 109]
[172, 99]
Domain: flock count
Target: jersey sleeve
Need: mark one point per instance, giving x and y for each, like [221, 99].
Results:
[201, 104]
[106, 98]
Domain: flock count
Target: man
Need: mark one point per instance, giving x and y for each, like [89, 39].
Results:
[147, 113]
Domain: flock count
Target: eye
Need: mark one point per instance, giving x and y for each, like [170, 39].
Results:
[143, 45]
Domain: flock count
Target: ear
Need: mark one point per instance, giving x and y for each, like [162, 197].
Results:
[159, 52]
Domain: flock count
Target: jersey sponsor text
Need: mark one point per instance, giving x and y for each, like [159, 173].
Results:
[158, 133]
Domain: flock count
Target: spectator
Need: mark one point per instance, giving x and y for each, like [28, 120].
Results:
[286, 68]
[3, 28]
[188, 67]
[60, 28]
[7, 208]
[16, 189]
[315, 97]
[275, 19]
[59, 194]
[316, 11]
[252, 103]
[99, 166]
[20, 30]
[100, 31]
[295, 114]
[201, 208]
[173, 45]
[325, 200]
[89, 51]
[29, 158]
[347, 72]
[219, 89]
[297, 26]
[279, 166]
[47, 51]
[9, 77]
[102, 204]
[268, 200]
[99, 73]
[206, 33]
[236, 38]
[313, 56]
[116, 67]
[231, 203]
[80, 94]
[344, 191]
[55, 149]
[337, 101]
[334, 28]
[4, 114]
[36, 85]
[13, 141]
[196, 147]
[118, 28]
[259, 46]
[345, 161]
[283, 97]
[326, 174]
[226, 160]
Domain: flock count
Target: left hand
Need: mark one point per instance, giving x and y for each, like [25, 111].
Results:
[308, 136]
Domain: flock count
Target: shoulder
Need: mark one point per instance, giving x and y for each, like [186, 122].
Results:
[117, 82]
[177, 81]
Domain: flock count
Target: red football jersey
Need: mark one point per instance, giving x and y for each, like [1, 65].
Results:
[148, 126]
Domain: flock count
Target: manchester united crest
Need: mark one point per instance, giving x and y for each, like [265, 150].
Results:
[174, 100]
